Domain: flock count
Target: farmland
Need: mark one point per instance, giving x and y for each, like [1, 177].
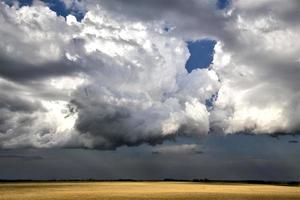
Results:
[144, 190]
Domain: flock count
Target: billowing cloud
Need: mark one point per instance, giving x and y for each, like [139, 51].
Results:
[259, 71]
[137, 87]
[118, 77]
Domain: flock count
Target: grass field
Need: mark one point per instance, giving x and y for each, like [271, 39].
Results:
[144, 190]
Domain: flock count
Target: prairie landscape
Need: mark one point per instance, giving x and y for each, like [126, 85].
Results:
[149, 99]
[145, 190]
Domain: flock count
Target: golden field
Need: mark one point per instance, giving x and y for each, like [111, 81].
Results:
[144, 190]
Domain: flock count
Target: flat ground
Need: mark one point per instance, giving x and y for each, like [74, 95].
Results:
[144, 190]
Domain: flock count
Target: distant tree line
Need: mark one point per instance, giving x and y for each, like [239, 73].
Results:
[205, 180]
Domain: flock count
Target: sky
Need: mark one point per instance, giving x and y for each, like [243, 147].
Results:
[139, 89]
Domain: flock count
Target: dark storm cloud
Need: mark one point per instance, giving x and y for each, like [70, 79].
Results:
[287, 13]
[144, 9]
[110, 127]
[14, 103]
[21, 72]
[188, 18]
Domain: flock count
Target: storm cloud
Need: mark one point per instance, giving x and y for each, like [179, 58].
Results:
[118, 76]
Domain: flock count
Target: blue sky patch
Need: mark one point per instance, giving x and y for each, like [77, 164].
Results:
[201, 54]
[222, 4]
[21, 2]
[60, 8]
[210, 102]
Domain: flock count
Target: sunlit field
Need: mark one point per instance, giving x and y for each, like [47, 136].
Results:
[144, 190]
